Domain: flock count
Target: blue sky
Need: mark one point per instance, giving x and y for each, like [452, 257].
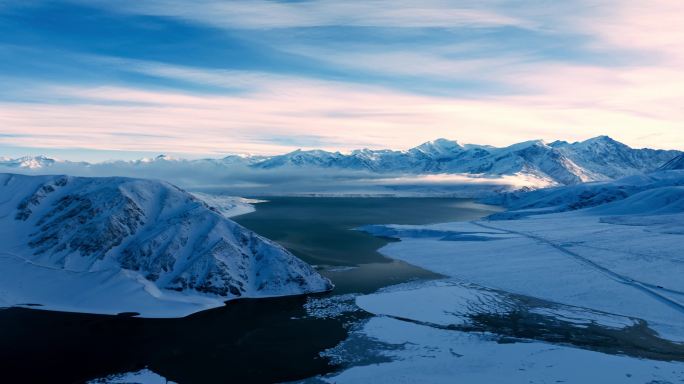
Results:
[95, 80]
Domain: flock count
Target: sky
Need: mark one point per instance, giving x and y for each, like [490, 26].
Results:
[98, 80]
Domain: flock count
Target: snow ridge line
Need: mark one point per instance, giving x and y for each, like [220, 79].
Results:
[644, 287]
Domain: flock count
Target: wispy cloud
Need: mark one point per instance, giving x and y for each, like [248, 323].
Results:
[260, 14]
[338, 115]
[490, 72]
[245, 80]
[652, 28]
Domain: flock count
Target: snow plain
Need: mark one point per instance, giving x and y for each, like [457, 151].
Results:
[569, 258]
[424, 354]
[616, 265]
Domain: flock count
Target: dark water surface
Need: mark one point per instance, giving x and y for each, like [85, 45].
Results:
[319, 230]
[265, 340]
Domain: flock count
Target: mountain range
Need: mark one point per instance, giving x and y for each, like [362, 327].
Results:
[556, 163]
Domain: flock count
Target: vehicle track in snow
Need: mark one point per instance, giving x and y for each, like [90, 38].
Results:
[647, 288]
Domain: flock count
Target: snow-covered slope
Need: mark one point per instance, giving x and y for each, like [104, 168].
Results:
[150, 237]
[611, 159]
[600, 158]
[574, 197]
[655, 200]
[676, 163]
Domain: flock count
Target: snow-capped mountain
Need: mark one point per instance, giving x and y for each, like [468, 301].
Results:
[30, 162]
[146, 233]
[600, 158]
[533, 157]
[610, 159]
[438, 149]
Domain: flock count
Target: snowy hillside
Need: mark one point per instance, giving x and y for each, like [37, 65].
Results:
[600, 158]
[585, 195]
[676, 163]
[611, 159]
[109, 245]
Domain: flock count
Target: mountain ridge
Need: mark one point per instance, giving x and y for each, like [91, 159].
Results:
[558, 162]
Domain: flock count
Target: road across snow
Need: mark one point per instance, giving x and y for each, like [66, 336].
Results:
[643, 286]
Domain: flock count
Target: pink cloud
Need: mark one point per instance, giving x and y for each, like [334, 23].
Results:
[638, 103]
[571, 103]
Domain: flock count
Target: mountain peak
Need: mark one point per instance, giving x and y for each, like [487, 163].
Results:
[165, 157]
[527, 144]
[443, 141]
[602, 140]
[38, 157]
[439, 146]
[558, 144]
[30, 162]
[309, 152]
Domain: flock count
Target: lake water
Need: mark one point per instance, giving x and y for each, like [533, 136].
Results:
[320, 231]
[263, 340]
